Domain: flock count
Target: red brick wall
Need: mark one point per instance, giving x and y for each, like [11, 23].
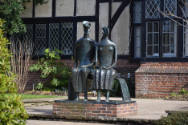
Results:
[123, 66]
[86, 110]
[161, 79]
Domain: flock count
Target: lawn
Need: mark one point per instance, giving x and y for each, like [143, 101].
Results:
[30, 96]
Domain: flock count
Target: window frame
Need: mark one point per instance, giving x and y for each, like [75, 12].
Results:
[179, 37]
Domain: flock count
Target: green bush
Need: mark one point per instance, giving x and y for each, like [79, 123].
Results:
[39, 86]
[50, 67]
[12, 111]
[174, 119]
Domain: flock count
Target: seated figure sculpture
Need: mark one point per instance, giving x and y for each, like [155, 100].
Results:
[84, 58]
[104, 74]
[95, 61]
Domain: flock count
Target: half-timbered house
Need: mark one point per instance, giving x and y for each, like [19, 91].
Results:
[151, 37]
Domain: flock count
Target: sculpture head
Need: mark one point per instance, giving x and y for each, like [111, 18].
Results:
[86, 26]
[105, 32]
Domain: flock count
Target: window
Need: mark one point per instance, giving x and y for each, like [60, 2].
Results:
[169, 39]
[170, 7]
[50, 35]
[152, 39]
[152, 8]
[160, 33]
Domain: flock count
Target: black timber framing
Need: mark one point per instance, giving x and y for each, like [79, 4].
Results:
[53, 8]
[104, 1]
[131, 47]
[110, 17]
[75, 19]
[33, 9]
[180, 35]
[118, 13]
[97, 21]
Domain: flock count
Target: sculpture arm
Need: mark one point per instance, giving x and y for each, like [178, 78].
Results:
[75, 56]
[88, 65]
[96, 54]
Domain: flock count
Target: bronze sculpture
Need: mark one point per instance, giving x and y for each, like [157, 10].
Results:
[95, 61]
[104, 74]
[84, 56]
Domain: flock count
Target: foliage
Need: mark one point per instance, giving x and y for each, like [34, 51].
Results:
[10, 11]
[39, 86]
[6, 76]
[183, 92]
[174, 119]
[12, 111]
[182, 95]
[51, 68]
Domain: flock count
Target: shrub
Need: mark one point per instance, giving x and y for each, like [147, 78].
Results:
[174, 119]
[12, 111]
[39, 86]
[57, 73]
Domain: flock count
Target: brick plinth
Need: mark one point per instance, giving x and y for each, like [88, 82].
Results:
[92, 110]
[161, 79]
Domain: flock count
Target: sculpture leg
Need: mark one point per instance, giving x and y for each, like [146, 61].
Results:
[85, 96]
[77, 96]
[84, 75]
[107, 96]
[98, 96]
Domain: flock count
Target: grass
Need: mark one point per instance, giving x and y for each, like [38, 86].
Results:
[30, 96]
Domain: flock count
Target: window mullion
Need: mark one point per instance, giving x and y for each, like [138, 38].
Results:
[161, 29]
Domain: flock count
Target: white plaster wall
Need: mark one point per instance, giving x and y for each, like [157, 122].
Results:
[115, 6]
[28, 11]
[86, 7]
[64, 7]
[44, 10]
[120, 32]
[103, 16]
[80, 31]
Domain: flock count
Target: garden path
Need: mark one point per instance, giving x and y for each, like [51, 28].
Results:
[148, 109]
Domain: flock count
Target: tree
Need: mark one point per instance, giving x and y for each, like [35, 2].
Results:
[10, 11]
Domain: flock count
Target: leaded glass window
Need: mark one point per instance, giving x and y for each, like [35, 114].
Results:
[152, 8]
[53, 35]
[152, 39]
[169, 39]
[40, 39]
[170, 7]
[67, 38]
